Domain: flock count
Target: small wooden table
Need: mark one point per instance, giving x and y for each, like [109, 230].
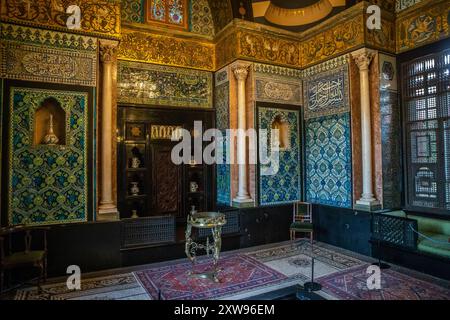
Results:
[205, 220]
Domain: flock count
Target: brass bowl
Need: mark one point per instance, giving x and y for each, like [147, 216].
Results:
[207, 219]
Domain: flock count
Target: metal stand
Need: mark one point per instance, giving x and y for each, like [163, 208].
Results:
[379, 264]
[312, 286]
[211, 221]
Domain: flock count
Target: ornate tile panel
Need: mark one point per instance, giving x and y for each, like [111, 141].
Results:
[38, 63]
[53, 39]
[271, 70]
[326, 66]
[279, 91]
[327, 93]
[278, 84]
[220, 77]
[48, 184]
[222, 99]
[158, 49]
[101, 17]
[391, 149]
[283, 187]
[328, 161]
[132, 11]
[40, 55]
[201, 18]
[148, 84]
[401, 5]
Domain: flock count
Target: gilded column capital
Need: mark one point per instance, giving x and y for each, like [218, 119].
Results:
[108, 51]
[241, 72]
[363, 58]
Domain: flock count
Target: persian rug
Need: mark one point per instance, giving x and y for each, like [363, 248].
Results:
[351, 284]
[300, 266]
[327, 254]
[239, 273]
[115, 287]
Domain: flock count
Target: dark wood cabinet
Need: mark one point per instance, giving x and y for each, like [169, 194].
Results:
[149, 182]
[265, 225]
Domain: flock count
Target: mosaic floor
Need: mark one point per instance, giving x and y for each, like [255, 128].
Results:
[252, 272]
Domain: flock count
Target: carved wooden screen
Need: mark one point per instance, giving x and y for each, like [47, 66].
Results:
[166, 182]
[426, 97]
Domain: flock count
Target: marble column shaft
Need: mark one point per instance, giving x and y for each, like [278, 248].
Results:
[241, 74]
[363, 59]
[107, 209]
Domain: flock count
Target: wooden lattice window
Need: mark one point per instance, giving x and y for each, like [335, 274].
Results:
[426, 99]
[172, 13]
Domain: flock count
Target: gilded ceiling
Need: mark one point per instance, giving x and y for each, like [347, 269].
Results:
[296, 15]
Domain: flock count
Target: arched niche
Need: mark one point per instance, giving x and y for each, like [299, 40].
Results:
[50, 107]
[280, 124]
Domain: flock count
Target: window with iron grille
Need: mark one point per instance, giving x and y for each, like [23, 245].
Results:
[426, 97]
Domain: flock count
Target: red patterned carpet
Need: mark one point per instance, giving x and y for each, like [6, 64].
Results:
[352, 285]
[240, 273]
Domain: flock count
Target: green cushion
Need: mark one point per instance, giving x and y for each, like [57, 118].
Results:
[433, 226]
[21, 258]
[302, 226]
[441, 248]
[399, 213]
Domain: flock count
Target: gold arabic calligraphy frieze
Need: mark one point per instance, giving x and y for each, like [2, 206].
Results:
[166, 50]
[37, 63]
[425, 24]
[100, 17]
[334, 41]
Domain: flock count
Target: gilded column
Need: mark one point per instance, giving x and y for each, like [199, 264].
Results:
[363, 59]
[243, 197]
[108, 55]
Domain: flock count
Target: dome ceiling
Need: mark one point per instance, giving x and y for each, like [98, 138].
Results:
[296, 15]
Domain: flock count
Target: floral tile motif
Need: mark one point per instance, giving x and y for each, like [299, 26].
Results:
[48, 184]
[284, 186]
[201, 18]
[328, 161]
[223, 123]
[132, 11]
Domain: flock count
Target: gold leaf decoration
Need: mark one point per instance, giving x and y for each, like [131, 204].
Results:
[158, 49]
[333, 41]
[99, 17]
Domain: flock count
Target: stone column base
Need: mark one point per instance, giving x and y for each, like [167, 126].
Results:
[108, 212]
[367, 205]
[243, 203]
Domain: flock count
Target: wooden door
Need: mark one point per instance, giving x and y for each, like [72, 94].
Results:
[166, 182]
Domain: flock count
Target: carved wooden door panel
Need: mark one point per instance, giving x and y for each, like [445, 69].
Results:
[166, 182]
